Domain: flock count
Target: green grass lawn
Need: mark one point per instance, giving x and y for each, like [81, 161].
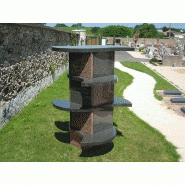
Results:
[161, 84]
[40, 133]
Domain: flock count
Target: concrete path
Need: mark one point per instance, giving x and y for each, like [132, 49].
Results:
[151, 110]
[128, 56]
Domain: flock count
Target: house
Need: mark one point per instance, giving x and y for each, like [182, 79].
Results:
[173, 34]
[81, 39]
[113, 40]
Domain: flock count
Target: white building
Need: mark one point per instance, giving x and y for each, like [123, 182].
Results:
[180, 36]
[82, 36]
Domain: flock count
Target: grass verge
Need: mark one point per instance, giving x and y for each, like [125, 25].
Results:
[40, 133]
[161, 84]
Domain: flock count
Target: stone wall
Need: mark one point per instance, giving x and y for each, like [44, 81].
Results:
[150, 41]
[172, 61]
[15, 78]
[10, 108]
[19, 41]
[144, 40]
[25, 55]
[25, 60]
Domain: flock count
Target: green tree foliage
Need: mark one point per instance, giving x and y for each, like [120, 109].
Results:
[173, 29]
[178, 30]
[164, 28]
[73, 40]
[41, 24]
[95, 29]
[146, 30]
[77, 25]
[116, 31]
[160, 35]
[60, 25]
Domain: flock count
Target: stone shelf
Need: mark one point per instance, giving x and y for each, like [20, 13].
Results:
[177, 100]
[66, 105]
[97, 139]
[172, 92]
[87, 82]
[91, 48]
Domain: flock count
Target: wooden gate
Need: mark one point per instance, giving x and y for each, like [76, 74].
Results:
[92, 40]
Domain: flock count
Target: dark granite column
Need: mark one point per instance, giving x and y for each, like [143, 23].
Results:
[91, 74]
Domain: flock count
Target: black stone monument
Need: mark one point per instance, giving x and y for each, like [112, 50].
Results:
[91, 75]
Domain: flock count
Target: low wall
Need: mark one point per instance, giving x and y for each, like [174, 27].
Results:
[10, 108]
[15, 78]
[19, 41]
[110, 40]
[172, 60]
[25, 59]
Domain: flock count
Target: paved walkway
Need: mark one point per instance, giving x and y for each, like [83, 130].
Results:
[151, 110]
[128, 56]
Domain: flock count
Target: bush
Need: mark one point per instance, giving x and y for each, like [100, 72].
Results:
[141, 49]
[52, 67]
[154, 60]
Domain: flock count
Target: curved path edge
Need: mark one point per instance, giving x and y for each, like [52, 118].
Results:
[151, 110]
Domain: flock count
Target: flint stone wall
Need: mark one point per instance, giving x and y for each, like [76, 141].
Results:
[25, 55]
[25, 58]
[15, 105]
[15, 78]
[18, 41]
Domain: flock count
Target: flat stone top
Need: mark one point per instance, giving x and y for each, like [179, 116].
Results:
[178, 100]
[91, 48]
[172, 92]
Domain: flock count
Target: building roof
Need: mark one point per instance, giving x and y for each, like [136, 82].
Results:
[174, 32]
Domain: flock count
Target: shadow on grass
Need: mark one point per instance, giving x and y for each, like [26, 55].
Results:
[97, 150]
[63, 137]
[62, 125]
[114, 124]
[92, 151]
[119, 133]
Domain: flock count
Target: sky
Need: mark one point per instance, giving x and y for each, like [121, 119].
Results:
[157, 25]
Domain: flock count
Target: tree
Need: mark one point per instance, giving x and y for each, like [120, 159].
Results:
[95, 29]
[60, 25]
[41, 24]
[146, 30]
[73, 40]
[164, 28]
[77, 25]
[116, 31]
[136, 37]
[160, 35]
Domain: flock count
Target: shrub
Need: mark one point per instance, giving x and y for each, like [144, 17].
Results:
[154, 60]
[141, 49]
[52, 67]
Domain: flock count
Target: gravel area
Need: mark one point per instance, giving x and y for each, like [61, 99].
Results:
[176, 75]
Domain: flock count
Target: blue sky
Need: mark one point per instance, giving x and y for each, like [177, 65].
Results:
[157, 25]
